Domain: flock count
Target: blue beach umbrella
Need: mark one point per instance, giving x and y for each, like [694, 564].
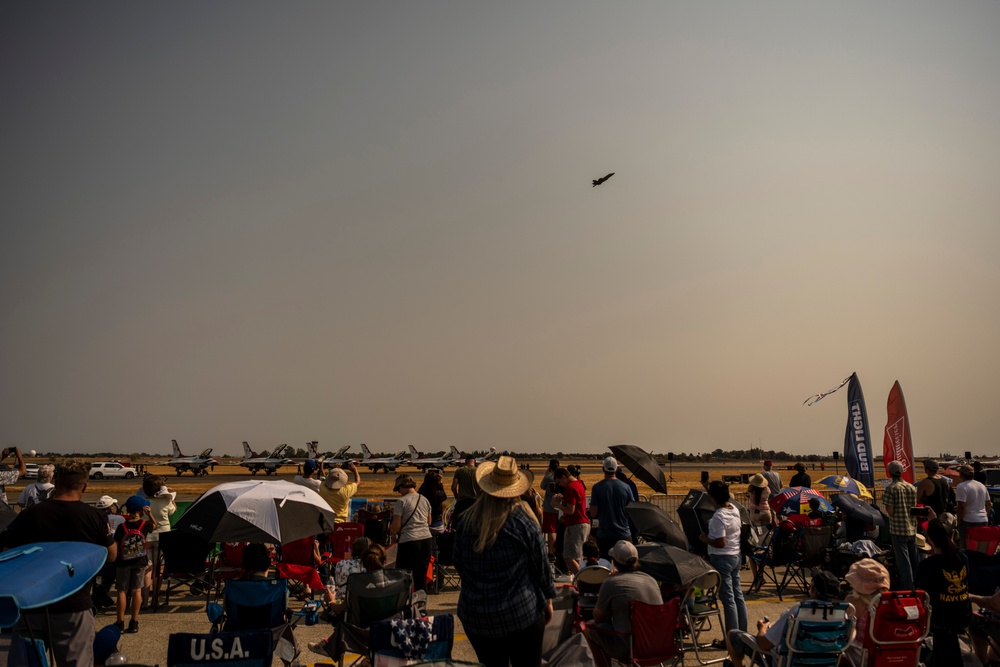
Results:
[845, 484]
[39, 574]
[795, 500]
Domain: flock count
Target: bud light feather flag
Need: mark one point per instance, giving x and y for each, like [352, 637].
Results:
[857, 440]
[897, 445]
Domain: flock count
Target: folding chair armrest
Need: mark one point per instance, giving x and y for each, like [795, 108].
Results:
[592, 625]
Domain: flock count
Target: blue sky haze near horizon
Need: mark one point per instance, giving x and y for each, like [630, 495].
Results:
[374, 223]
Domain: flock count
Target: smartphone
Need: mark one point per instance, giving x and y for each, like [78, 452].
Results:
[704, 477]
[920, 511]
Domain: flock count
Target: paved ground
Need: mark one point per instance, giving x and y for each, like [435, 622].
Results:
[187, 614]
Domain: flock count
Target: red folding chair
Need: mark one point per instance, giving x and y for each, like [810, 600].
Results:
[985, 539]
[342, 539]
[298, 563]
[229, 561]
[651, 641]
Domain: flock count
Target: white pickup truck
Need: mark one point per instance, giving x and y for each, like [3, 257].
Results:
[111, 469]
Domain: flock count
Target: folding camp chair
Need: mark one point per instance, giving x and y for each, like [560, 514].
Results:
[386, 649]
[588, 582]
[984, 572]
[445, 573]
[780, 548]
[297, 563]
[984, 539]
[698, 611]
[258, 605]
[816, 636]
[185, 563]
[812, 541]
[376, 525]
[342, 539]
[371, 596]
[228, 562]
[233, 649]
[897, 624]
[651, 641]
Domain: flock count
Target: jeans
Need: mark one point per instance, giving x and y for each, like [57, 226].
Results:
[904, 548]
[730, 591]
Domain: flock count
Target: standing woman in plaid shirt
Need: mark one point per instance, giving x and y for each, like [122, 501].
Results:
[500, 553]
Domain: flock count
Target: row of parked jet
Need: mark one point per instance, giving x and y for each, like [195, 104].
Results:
[199, 465]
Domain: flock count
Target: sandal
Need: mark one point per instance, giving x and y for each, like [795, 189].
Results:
[719, 644]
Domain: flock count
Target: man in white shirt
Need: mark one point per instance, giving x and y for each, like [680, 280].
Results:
[973, 500]
[723, 540]
[309, 478]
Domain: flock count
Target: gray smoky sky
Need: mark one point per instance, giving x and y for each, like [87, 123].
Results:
[373, 222]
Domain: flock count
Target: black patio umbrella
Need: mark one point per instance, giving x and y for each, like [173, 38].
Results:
[668, 564]
[642, 465]
[696, 510]
[655, 525]
[857, 509]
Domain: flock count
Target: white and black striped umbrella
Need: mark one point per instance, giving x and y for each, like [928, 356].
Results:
[257, 511]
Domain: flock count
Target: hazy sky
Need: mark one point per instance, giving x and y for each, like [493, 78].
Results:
[373, 222]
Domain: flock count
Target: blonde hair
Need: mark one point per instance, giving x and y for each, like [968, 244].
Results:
[488, 515]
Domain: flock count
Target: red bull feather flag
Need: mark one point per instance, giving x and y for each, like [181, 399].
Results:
[897, 445]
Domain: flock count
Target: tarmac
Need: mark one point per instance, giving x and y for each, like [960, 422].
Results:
[186, 613]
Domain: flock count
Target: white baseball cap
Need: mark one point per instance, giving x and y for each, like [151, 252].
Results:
[610, 464]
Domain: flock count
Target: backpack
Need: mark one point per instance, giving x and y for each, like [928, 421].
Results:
[133, 545]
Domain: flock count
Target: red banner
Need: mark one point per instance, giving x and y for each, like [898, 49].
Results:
[897, 445]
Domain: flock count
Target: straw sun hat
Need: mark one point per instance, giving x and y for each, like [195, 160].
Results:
[758, 480]
[502, 479]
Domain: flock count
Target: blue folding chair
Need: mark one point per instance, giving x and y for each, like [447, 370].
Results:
[232, 649]
[258, 605]
[817, 635]
[252, 605]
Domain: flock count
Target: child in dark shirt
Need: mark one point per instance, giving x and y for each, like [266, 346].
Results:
[132, 559]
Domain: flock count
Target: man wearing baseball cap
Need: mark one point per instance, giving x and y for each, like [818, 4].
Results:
[899, 497]
[627, 584]
[973, 500]
[608, 500]
[308, 478]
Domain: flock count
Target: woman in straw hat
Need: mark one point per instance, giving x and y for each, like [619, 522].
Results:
[500, 553]
[762, 517]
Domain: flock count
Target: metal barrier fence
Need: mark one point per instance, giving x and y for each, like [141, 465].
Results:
[670, 502]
